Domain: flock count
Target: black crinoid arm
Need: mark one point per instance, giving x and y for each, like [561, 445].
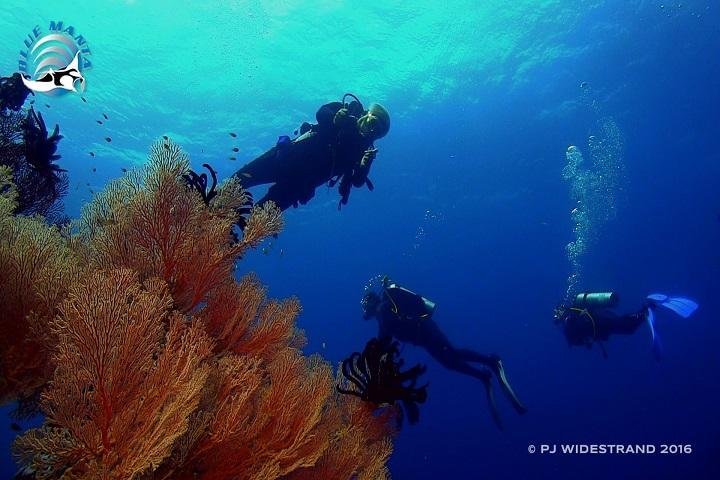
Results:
[40, 147]
[200, 183]
[375, 376]
[30, 152]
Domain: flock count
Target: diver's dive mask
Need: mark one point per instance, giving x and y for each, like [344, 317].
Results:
[375, 122]
[368, 125]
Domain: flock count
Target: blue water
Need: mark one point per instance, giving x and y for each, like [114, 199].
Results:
[470, 208]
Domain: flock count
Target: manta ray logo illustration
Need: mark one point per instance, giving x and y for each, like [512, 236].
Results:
[54, 62]
[52, 79]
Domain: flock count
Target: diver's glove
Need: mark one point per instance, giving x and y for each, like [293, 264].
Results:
[341, 116]
[344, 120]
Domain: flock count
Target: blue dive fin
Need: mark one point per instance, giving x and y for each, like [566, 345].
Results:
[683, 307]
[656, 344]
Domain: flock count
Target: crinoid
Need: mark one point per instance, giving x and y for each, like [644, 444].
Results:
[375, 376]
[39, 147]
[200, 183]
[30, 152]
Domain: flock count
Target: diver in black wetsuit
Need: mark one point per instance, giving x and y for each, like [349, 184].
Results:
[583, 325]
[339, 148]
[590, 318]
[407, 316]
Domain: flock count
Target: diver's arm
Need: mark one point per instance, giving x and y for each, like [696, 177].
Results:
[326, 114]
[356, 176]
[336, 118]
[361, 170]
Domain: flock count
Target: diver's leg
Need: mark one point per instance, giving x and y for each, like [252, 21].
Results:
[626, 324]
[434, 341]
[448, 358]
[264, 169]
[476, 357]
[491, 403]
[494, 363]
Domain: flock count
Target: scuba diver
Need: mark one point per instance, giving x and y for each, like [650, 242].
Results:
[407, 317]
[339, 148]
[590, 319]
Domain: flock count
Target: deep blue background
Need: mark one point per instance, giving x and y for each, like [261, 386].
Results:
[487, 165]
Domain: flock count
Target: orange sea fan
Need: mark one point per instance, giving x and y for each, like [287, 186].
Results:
[230, 310]
[152, 222]
[275, 422]
[241, 320]
[165, 367]
[128, 377]
[36, 267]
[360, 443]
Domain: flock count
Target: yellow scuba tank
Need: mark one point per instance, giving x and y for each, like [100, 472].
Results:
[596, 300]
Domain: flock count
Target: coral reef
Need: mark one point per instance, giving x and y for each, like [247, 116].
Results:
[159, 363]
[36, 268]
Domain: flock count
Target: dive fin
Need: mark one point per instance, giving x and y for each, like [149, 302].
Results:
[681, 306]
[491, 403]
[516, 403]
[412, 411]
[656, 344]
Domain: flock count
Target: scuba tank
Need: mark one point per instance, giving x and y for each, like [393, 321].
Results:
[429, 305]
[354, 107]
[596, 300]
[407, 304]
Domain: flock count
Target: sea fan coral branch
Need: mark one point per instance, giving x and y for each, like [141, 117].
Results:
[36, 267]
[153, 223]
[127, 380]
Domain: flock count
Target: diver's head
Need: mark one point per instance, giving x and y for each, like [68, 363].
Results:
[370, 303]
[375, 123]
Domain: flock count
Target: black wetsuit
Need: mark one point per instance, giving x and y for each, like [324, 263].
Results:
[326, 152]
[584, 326]
[425, 333]
[405, 316]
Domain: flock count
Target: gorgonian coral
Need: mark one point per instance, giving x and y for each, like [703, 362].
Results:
[36, 268]
[166, 367]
